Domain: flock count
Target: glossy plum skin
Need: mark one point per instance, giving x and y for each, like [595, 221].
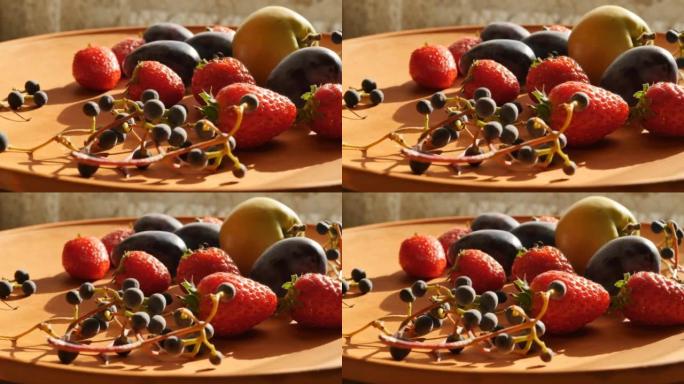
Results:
[165, 246]
[512, 54]
[166, 31]
[628, 254]
[180, 56]
[501, 245]
[636, 67]
[197, 235]
[303, 68]
[157, 222]
[494, 220]
[212, 44]
[533, 233]
[503, 30]
[548, 43]
[287, 257]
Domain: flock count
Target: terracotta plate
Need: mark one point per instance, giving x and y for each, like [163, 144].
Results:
[274, 350]
[605, 351]
[626, 159]
[296, 160]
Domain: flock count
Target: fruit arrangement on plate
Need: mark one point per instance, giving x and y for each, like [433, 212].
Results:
[528, 101]
[171, 290]
[249, 85]
[496, 288]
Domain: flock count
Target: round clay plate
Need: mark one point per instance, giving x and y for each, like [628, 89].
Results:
[274, 350]
[607, 350]
[627, 158]
[295, 160]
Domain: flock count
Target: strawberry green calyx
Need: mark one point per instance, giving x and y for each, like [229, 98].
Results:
[310, 109]
[210, 108]
[524, 295]
[287, 302]
[621, 299]
[642, 108]
[543, 105]
[191, 299]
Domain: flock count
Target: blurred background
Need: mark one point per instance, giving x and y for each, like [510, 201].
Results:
[19, 18]
[20, 209]
[363, 17]
[368, 208]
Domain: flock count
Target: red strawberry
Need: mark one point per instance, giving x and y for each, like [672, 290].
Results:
[433, 67]
[315, 301]
[538, 260]
[501, 82]
[583, 302]
[85, 258]
[323, 110]
[422, 256]
[212, 76]
[152, 274]
[605, 113]
[253, 303]
[652, 299]
[451, 236]
[660, 109]
[157, 76]
[274, 115]
[96, 68]
[546, 74]
[483, 270]
[114, 238]
[461, 46]
[203, 262]
[124, 48]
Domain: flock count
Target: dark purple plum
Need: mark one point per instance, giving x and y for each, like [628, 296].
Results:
[548, 43]
[301, 69]
[180, 56]
[512, 54]
[501, 245]
[212, 44]
[628, 73]
[166, 31]
[197, 235]
[532, 233]
[157, 222]
[165, 246]
[494, 220]
[628, 254]
[287, 257]
[503, 30]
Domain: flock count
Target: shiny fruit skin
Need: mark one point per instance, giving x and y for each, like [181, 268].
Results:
[422, 256]
[433, 67]
[451, 236]
[124, 48]
[165, 246]
[96, 68]
[494, 220]
[545, 75]
[483, 270]
[287, 257]
[628, 254]
[587, 225]
[157, 76]
[85, 258]
[213, 76]
[253, 303]
[501, 245]
[584, 301]
[296, 73]
[636, 67]
[157, 222]
[274, 115]
[461, 46]
[489, 74]
[180, 56]
[253, 226]
[203, 262]
[267, 36]
[545, 44]
[114, 238]
[503, 30]
[210, 45]
[602, 35]
[166, 31]
[196, 235]
[512, 54]
[660, 110]
[317, 301]
[152, 275]
[605, 113]
[652, 299]
[532, 233]
[537, 260]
